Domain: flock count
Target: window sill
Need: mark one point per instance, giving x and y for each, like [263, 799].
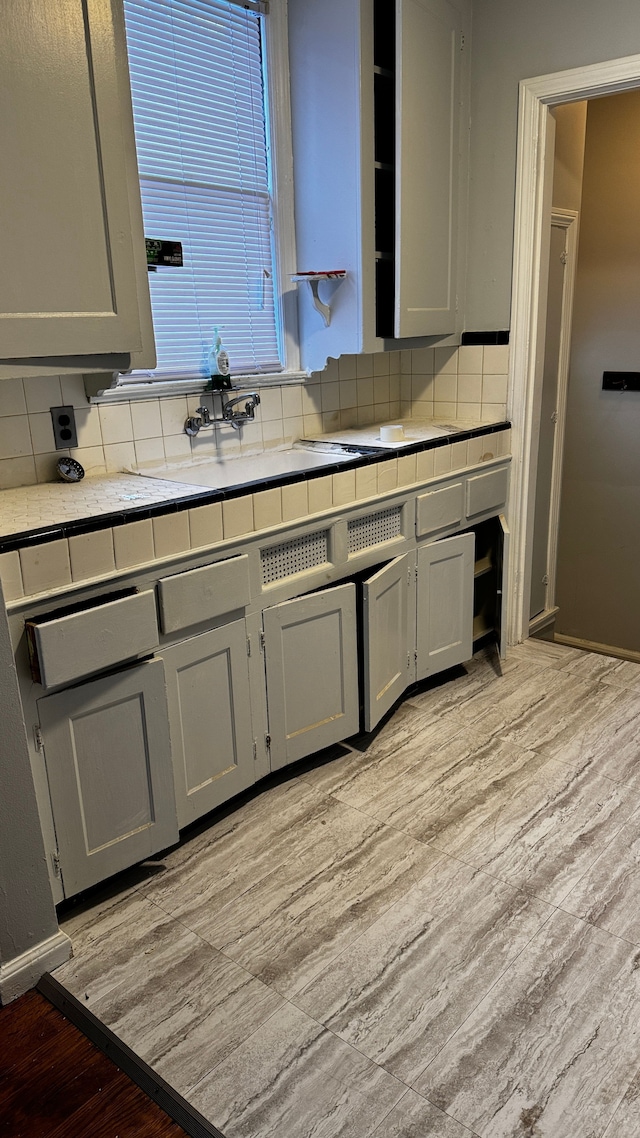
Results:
[104, 388]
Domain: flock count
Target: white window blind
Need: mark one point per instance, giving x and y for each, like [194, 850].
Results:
[199, 110]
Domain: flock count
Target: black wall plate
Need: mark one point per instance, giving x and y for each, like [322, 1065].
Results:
[621, 381]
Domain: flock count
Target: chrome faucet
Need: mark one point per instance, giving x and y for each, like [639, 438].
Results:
[203, 417]
[236, 419]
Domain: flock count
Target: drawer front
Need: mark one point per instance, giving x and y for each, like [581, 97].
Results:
[202, 594]
[439, 509]
[94, 639]
[486, 491]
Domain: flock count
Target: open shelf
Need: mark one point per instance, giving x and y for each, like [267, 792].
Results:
[483, 565]
[487, 586]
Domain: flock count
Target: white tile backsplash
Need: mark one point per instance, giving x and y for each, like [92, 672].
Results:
[331, 395]
[119, 456]
[146, 419]
[42, 392]
[494, 389]
[495, 359]
[470, 387]
[17, 472]
[15, 438]
[12, 401]
[470, 359]
[115, 423]
[446, 360]
[347, 368]
[41, 430]
[468, 382]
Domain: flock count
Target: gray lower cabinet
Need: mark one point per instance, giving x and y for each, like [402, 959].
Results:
[108, 761]
[210, 719]
[388, 635]
[311, 668]
[445, 604]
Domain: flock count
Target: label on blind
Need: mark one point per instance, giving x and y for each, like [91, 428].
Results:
[163, 252]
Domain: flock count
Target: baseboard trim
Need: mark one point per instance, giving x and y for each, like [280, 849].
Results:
[173, 1104]
[543, 619]
[602, 649]
[21, 973]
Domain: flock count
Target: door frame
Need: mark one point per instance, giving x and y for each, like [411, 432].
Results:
[566, 219]
[528, 309]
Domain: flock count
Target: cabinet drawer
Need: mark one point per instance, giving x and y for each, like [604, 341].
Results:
[439, 509]
[67, 646]
[486, 491]
[201, 594]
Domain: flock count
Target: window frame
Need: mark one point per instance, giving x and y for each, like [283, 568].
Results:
[143, 384]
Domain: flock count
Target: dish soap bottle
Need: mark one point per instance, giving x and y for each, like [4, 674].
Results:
[219, 364]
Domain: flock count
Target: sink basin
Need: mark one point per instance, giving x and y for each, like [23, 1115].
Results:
[219, 473]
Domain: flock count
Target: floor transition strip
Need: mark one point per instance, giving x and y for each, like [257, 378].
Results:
[178, 1109]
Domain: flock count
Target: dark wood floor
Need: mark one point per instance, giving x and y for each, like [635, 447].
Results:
[54, 1083]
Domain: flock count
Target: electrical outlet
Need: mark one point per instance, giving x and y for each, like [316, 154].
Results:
[64, 427]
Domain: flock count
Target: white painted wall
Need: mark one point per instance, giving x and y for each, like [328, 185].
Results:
[515, 40]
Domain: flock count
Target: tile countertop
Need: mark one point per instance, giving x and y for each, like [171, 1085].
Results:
[48, 511]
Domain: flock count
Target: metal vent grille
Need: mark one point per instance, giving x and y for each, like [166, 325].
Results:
[290, 557]
[373, 529]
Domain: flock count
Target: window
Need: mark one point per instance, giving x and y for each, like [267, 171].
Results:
[203, 136]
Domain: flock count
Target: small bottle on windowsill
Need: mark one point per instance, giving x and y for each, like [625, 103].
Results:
[219, 367]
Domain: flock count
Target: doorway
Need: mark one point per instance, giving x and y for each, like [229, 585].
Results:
[531, 251]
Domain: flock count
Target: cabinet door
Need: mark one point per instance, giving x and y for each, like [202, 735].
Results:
[68, 282]
[108, 759]
[503, 573]
[429, 59]
[210, 719]
[312, 673]
[387, 643]
[445, 604]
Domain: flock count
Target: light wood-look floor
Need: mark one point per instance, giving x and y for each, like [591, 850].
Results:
[437, 934]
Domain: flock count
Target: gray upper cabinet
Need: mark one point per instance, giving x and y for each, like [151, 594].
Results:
[108, 759]
[311, 672]
[379, 97]
[73, 282]
[429, 85]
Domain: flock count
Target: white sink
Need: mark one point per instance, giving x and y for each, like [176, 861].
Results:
[219, 473]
